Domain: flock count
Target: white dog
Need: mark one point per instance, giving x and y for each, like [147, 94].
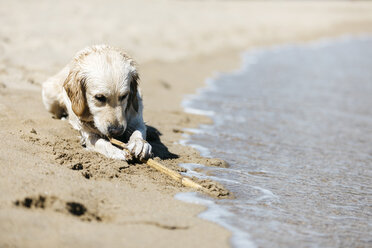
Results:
[98, 91]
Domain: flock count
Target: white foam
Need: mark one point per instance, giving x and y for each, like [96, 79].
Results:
[198, 111]
[193, 130]
[190, 167]
[217, 214]
[267, 194]
[201, 149]
[182, 142]
[190, 171]
[186, 103]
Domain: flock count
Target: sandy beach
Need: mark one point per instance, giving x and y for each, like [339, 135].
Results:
[56, 194]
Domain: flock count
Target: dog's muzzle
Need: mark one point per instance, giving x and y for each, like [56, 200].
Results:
[115, 130]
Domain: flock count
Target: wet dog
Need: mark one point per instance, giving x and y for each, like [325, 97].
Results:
[98, 90]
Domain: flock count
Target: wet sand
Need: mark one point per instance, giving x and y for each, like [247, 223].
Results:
[54, 193]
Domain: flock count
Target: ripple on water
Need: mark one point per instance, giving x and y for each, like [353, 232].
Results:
[295, 124]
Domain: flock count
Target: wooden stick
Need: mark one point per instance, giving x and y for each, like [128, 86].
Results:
[185, 181]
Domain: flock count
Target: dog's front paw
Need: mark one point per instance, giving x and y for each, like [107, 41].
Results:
[119, 154]
[139, 148]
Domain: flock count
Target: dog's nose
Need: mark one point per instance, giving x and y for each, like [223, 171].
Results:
[115, 130]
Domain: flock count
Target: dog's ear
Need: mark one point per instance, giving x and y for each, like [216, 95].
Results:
[75, 89]
[133, 99]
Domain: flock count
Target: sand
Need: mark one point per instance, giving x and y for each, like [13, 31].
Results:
[56, 194]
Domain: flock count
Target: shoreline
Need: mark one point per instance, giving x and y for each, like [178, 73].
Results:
[135, 205]
[214, 212]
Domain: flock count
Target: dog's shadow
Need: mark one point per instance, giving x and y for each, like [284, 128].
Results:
[158, 148]
[153, 137]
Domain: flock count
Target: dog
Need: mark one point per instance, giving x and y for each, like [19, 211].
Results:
[98, 91]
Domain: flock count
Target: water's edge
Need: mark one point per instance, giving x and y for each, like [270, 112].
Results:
[214, 212]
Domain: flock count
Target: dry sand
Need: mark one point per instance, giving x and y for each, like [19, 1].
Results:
[56, 194]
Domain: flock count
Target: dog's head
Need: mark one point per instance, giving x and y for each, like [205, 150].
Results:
[102, 85]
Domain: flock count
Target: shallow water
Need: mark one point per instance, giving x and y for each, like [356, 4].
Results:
[295, 124]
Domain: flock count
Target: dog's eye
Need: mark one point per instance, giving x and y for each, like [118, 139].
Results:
[100, 98]
[121, 98]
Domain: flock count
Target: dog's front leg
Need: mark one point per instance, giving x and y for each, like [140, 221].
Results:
[138, 146]
[98, 144]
